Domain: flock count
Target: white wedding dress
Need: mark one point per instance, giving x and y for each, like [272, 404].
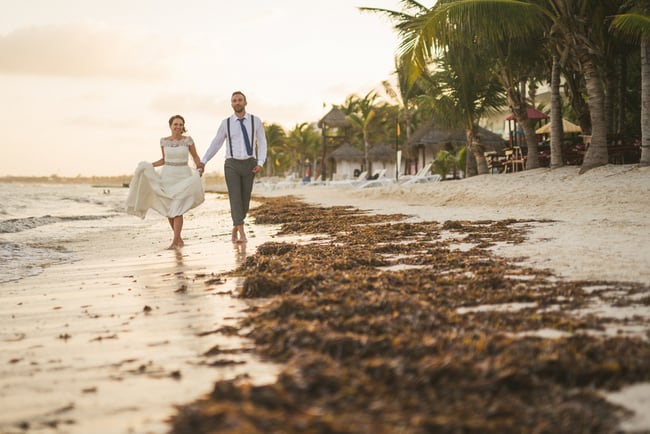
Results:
[171, 192]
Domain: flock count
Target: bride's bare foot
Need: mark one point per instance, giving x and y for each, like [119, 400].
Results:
[176, 245]
[234, 234]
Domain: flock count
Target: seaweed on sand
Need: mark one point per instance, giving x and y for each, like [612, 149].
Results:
[385, 326]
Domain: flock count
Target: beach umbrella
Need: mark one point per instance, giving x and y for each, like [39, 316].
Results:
[567, 126]
[532, 113]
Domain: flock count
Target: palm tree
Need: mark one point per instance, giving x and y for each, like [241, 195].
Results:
[438, 30]
[636, 24]
[460, 92]
[404, 95]
[306, 142]
[496, 23]
[276, 149]
[365, 110]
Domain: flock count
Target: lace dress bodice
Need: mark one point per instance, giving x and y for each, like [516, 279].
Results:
[176, 151]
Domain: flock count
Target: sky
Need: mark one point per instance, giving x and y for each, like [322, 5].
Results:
[88, 85]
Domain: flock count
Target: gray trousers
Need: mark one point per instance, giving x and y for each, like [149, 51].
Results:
[239, 180]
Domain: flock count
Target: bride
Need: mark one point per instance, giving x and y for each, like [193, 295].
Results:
[173, 191]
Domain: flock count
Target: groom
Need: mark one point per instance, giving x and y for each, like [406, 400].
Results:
[242, 132]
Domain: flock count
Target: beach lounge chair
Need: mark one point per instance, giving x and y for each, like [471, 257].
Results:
[318, 181]
[423, 175]
[353, 182]
[288, 182]
[406, 178]
[378, 179]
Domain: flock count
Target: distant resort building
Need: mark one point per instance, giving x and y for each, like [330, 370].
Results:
[382, 157]
[430, 138]
[346, 162]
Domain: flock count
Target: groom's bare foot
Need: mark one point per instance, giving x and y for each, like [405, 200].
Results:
[242, 234]
[238, 234]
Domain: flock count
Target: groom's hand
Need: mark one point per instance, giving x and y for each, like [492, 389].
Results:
[257, 169]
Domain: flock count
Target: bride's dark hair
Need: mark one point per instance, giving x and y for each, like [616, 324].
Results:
[177, 117]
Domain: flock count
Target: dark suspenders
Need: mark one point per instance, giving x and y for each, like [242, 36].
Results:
[252, 134]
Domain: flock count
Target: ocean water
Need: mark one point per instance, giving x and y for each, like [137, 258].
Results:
[36, 221]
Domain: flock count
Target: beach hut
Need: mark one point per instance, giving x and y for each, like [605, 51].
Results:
[430, 138]
[334, 126]
[345, 160]
[382, 156]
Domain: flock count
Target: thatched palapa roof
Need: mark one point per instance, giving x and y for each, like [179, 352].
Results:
[346, 152]
[335, 118]
[434, 136]
[381, 152]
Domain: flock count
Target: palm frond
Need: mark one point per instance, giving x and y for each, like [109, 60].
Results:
[633, 25]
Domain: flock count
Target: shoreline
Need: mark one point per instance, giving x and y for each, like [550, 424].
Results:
[127, 330]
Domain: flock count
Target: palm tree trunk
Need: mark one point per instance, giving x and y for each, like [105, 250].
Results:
[532, 159]
[518, 105]
[477, 151]
[365, 154]
[556, 116]
[645, 102]
[597, 152]
[470, 161]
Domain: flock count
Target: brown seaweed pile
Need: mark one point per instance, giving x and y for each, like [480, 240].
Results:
[386, 326]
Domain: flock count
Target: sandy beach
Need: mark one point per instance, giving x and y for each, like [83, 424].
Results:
[113, 342]
[598, 226]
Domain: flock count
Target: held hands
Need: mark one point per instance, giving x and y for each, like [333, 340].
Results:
[200, 168]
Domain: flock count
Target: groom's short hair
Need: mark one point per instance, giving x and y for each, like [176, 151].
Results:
[239, 92]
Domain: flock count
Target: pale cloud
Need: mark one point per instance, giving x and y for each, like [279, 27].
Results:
[92, 87]
[79, 51]
[190, 102]
[92, 122]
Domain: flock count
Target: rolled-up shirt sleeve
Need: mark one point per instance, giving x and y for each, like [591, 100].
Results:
[261, 141]
[216, 143]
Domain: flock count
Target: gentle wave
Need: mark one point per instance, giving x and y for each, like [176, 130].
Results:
[22, 224]
[37, 222]
[20, 260]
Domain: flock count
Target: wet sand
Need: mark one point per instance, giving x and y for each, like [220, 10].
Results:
[111, 342]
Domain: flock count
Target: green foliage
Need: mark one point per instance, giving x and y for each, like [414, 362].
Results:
[447, 162]
[444, 163]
